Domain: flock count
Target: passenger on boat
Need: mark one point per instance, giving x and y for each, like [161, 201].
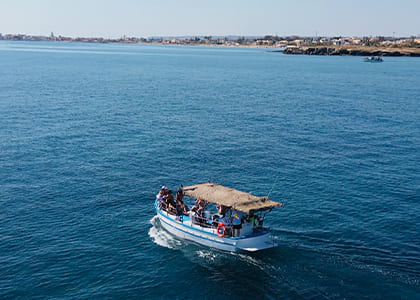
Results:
[222, 209]
[168, 199]
[162, 192]
[160, 195]
[199, 205]
[226, 221]
[179, 195]
[199, 218]
[236, 222]
[254, 219]
[181, 208]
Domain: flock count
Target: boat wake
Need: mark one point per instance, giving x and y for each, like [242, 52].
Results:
[208, 257]
[161, 237]
[213, 258]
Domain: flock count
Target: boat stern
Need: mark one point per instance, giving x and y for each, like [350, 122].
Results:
[256, 243]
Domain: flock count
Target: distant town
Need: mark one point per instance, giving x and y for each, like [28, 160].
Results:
[269, 41]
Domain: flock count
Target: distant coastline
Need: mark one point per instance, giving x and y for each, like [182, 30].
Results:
[355, 46]
[354, 51]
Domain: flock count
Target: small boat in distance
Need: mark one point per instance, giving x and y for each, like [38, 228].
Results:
[373, 59]
[235, 224]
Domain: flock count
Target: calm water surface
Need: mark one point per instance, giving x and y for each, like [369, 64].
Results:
[89, 133]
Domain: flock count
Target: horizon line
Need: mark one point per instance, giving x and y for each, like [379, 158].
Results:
[208, 35]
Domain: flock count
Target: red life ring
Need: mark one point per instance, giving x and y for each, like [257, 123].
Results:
[221, 230]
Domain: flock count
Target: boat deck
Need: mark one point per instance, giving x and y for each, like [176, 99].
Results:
[213, 230]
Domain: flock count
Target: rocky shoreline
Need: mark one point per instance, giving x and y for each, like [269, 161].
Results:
[352, 51]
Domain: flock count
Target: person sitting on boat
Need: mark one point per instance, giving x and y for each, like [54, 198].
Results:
[253, 220]
[169, 201]
[222, 209]
[200, 218]
[236, 222]
[199, 205]
[256, 221]
[179, 195]
[160, 195]
[181, 208]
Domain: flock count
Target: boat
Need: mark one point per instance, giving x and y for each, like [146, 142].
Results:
[218, 229]
[373, 59]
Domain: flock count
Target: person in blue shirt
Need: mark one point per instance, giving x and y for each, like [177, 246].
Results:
[236, 222]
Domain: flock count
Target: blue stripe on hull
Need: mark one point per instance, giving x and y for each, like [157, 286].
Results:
[197, 238]
[227, 243]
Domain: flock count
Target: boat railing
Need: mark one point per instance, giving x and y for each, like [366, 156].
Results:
[249, 225]
[211, 221]
[169, 211]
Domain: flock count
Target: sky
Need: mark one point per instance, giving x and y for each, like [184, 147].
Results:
[141, 18]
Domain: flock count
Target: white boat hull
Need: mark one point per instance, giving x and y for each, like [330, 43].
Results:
[185, 229]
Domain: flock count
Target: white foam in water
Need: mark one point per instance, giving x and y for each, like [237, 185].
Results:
[161, 236]
[207, 254]
[263, 266]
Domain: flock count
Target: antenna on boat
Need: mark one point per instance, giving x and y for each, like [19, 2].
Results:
[272, 187]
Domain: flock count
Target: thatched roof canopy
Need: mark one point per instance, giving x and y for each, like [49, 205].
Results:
[216, 193]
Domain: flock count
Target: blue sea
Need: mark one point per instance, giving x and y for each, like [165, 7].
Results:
[90, 132]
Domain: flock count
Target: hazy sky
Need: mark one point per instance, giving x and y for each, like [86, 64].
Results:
[140, 18]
